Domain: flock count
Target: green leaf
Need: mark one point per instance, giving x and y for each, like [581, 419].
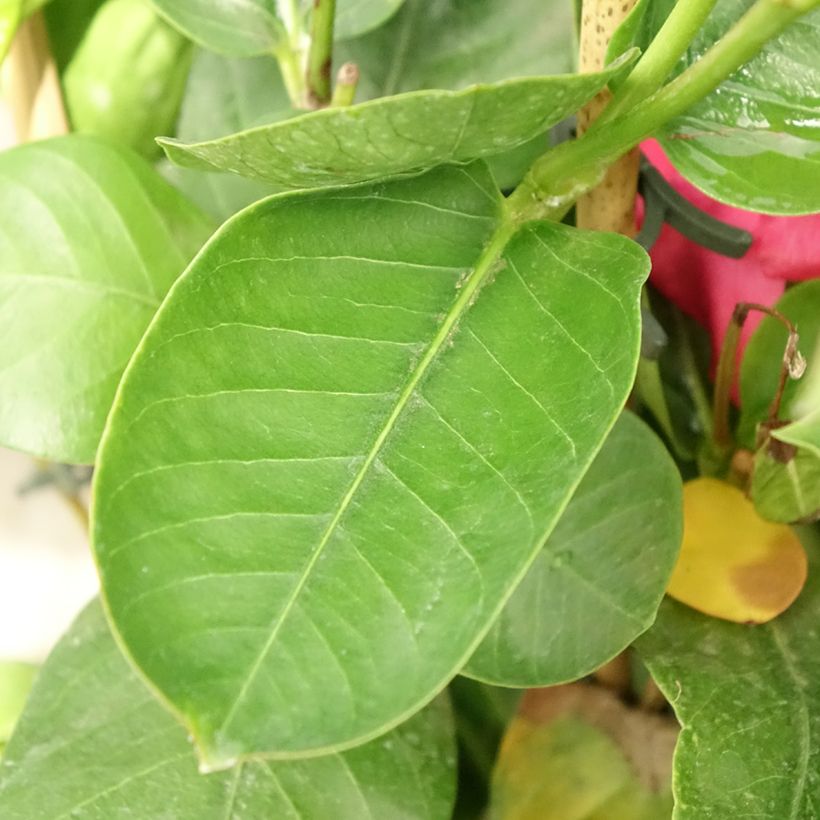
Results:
[395, 136]
[355, 17]
[240, 28]
[763, 358]
[67, 22]
[755, 142]
[335, 453]
[15, 681]
[90, 240]
[578, 753]
[803, 433]
[786, 482]
[748, 699]
[223, 95]
[10, 16]
[247, 28]
[94, 743]
[452, 44]
[126, 81]
[607, 562]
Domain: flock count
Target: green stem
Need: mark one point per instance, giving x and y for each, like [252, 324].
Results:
[320, 55]
[346, 82]
[793, 366]
[721, 429]
[683, 23]
[570, 169]
[292, 74]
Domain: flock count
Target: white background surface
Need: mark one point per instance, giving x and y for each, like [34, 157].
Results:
[46, 571]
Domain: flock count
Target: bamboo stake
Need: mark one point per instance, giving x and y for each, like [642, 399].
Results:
[31, 84]
[610, 206]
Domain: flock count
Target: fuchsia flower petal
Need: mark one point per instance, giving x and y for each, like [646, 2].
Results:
[705, 284]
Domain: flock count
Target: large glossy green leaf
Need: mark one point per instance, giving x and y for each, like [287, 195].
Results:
[395, 136]
[337, 450]
[607, 562]
[763, 358]
[94, 744]
[90, 240]
[453, 44]
[748, 699]
[754, 142]
[224, 95]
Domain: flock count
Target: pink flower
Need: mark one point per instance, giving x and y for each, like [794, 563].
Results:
[706, 285]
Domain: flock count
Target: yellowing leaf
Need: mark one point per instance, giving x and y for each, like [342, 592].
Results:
[576, 752]
[734, 564]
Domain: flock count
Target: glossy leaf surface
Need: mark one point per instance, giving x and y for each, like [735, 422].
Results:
[607, 562]
[90, 240]
[747, 699]
[734, 564]
[334, 455]
[577, 752]
[763, 359]
[224, 95]
[94, 743]
[453, 44]
[755, 142]
[395, 136]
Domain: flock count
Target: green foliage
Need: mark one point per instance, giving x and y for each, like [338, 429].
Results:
[453, 44]
[10, 14]
[223, 95]
[247, 28]
[15, 682]
[90, 240]
[375, 317]
[763, 358]
[126, 80]
[241, 28]
[748, 699]
[786, 482]
[754, 142]
[106, 749]
[396, 135]
[619, 759]
[608, 560]
[368, 439]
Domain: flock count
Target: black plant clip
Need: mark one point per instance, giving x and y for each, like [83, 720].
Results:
[662, 203]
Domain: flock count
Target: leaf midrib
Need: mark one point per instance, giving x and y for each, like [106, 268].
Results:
[482, 270]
